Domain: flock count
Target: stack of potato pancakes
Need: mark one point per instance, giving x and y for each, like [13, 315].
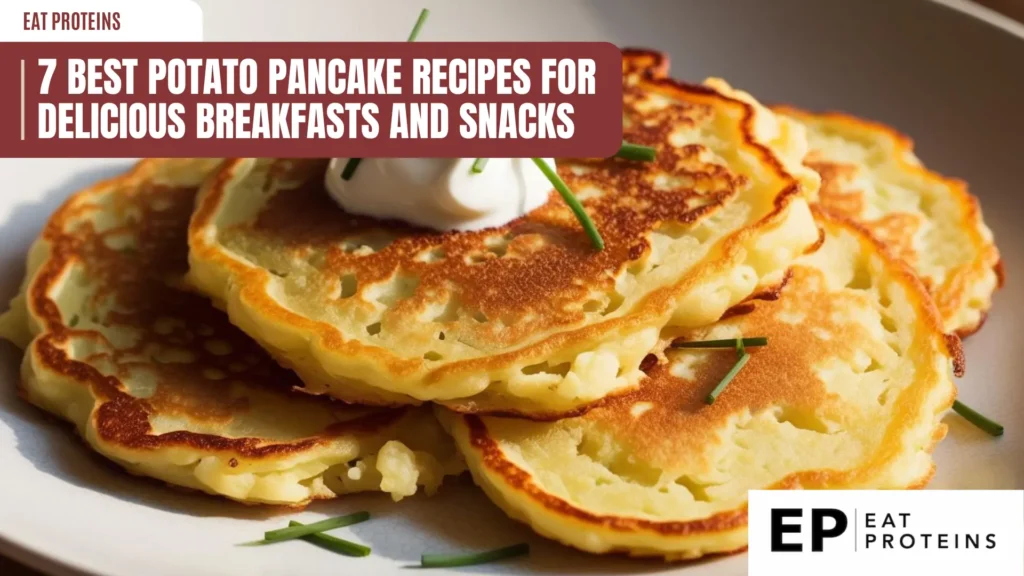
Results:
[779, 304]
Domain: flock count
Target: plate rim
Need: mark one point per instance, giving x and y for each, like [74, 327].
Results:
[40, 560]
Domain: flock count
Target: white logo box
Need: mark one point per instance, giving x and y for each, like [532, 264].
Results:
[139, 21]
[934, 532]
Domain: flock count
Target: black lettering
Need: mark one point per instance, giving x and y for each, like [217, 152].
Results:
[904, 516]
[886, 540]
[869, 520]
[869, 539]
[779, 528]
[925, 537]
[973, 541]
[888, 522]
[991, 539]
[943, 541]
[903, 541]
[818, 531]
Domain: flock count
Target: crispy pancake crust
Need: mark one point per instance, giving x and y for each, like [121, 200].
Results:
[159, 381]
[870, 173]
[848, 394]
[526, 318]
[640, 63]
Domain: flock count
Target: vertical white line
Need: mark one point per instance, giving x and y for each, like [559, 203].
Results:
[22, 99]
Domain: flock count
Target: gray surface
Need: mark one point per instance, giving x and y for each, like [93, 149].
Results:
[955, 84]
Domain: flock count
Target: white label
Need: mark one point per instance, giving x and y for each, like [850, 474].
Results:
[100, 21]
[878, 532]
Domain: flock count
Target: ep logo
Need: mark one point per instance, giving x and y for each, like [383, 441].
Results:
[821, 523]
[858, 532]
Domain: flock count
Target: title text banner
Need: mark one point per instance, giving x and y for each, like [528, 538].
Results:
[379, 99]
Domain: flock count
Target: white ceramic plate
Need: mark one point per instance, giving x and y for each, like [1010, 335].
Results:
[949, 76]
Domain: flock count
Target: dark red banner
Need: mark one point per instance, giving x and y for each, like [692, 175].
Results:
[316, 99]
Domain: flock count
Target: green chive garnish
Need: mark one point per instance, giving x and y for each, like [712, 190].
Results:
[574, 204]
[353, 163]
[478, 165]
[636, 152]
[729, 343]
[350, 168]
[293, 531]
[454, 560]
[972, 416]
[74, 321]
[728, 377]
[419, 24]
[334, 544]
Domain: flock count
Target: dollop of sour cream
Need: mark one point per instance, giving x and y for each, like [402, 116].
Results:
[441, 193]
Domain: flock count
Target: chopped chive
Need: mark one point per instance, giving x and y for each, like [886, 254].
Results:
[353, 163]
[293, 532]
[419, 24]
[729, 343]
[334, 544]
[453, 560]
[574, 204]
[350, 168]
[74, 321]
[478, 165]
[636, 152]
[991, 427]
[742, 361]
[740, 348]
